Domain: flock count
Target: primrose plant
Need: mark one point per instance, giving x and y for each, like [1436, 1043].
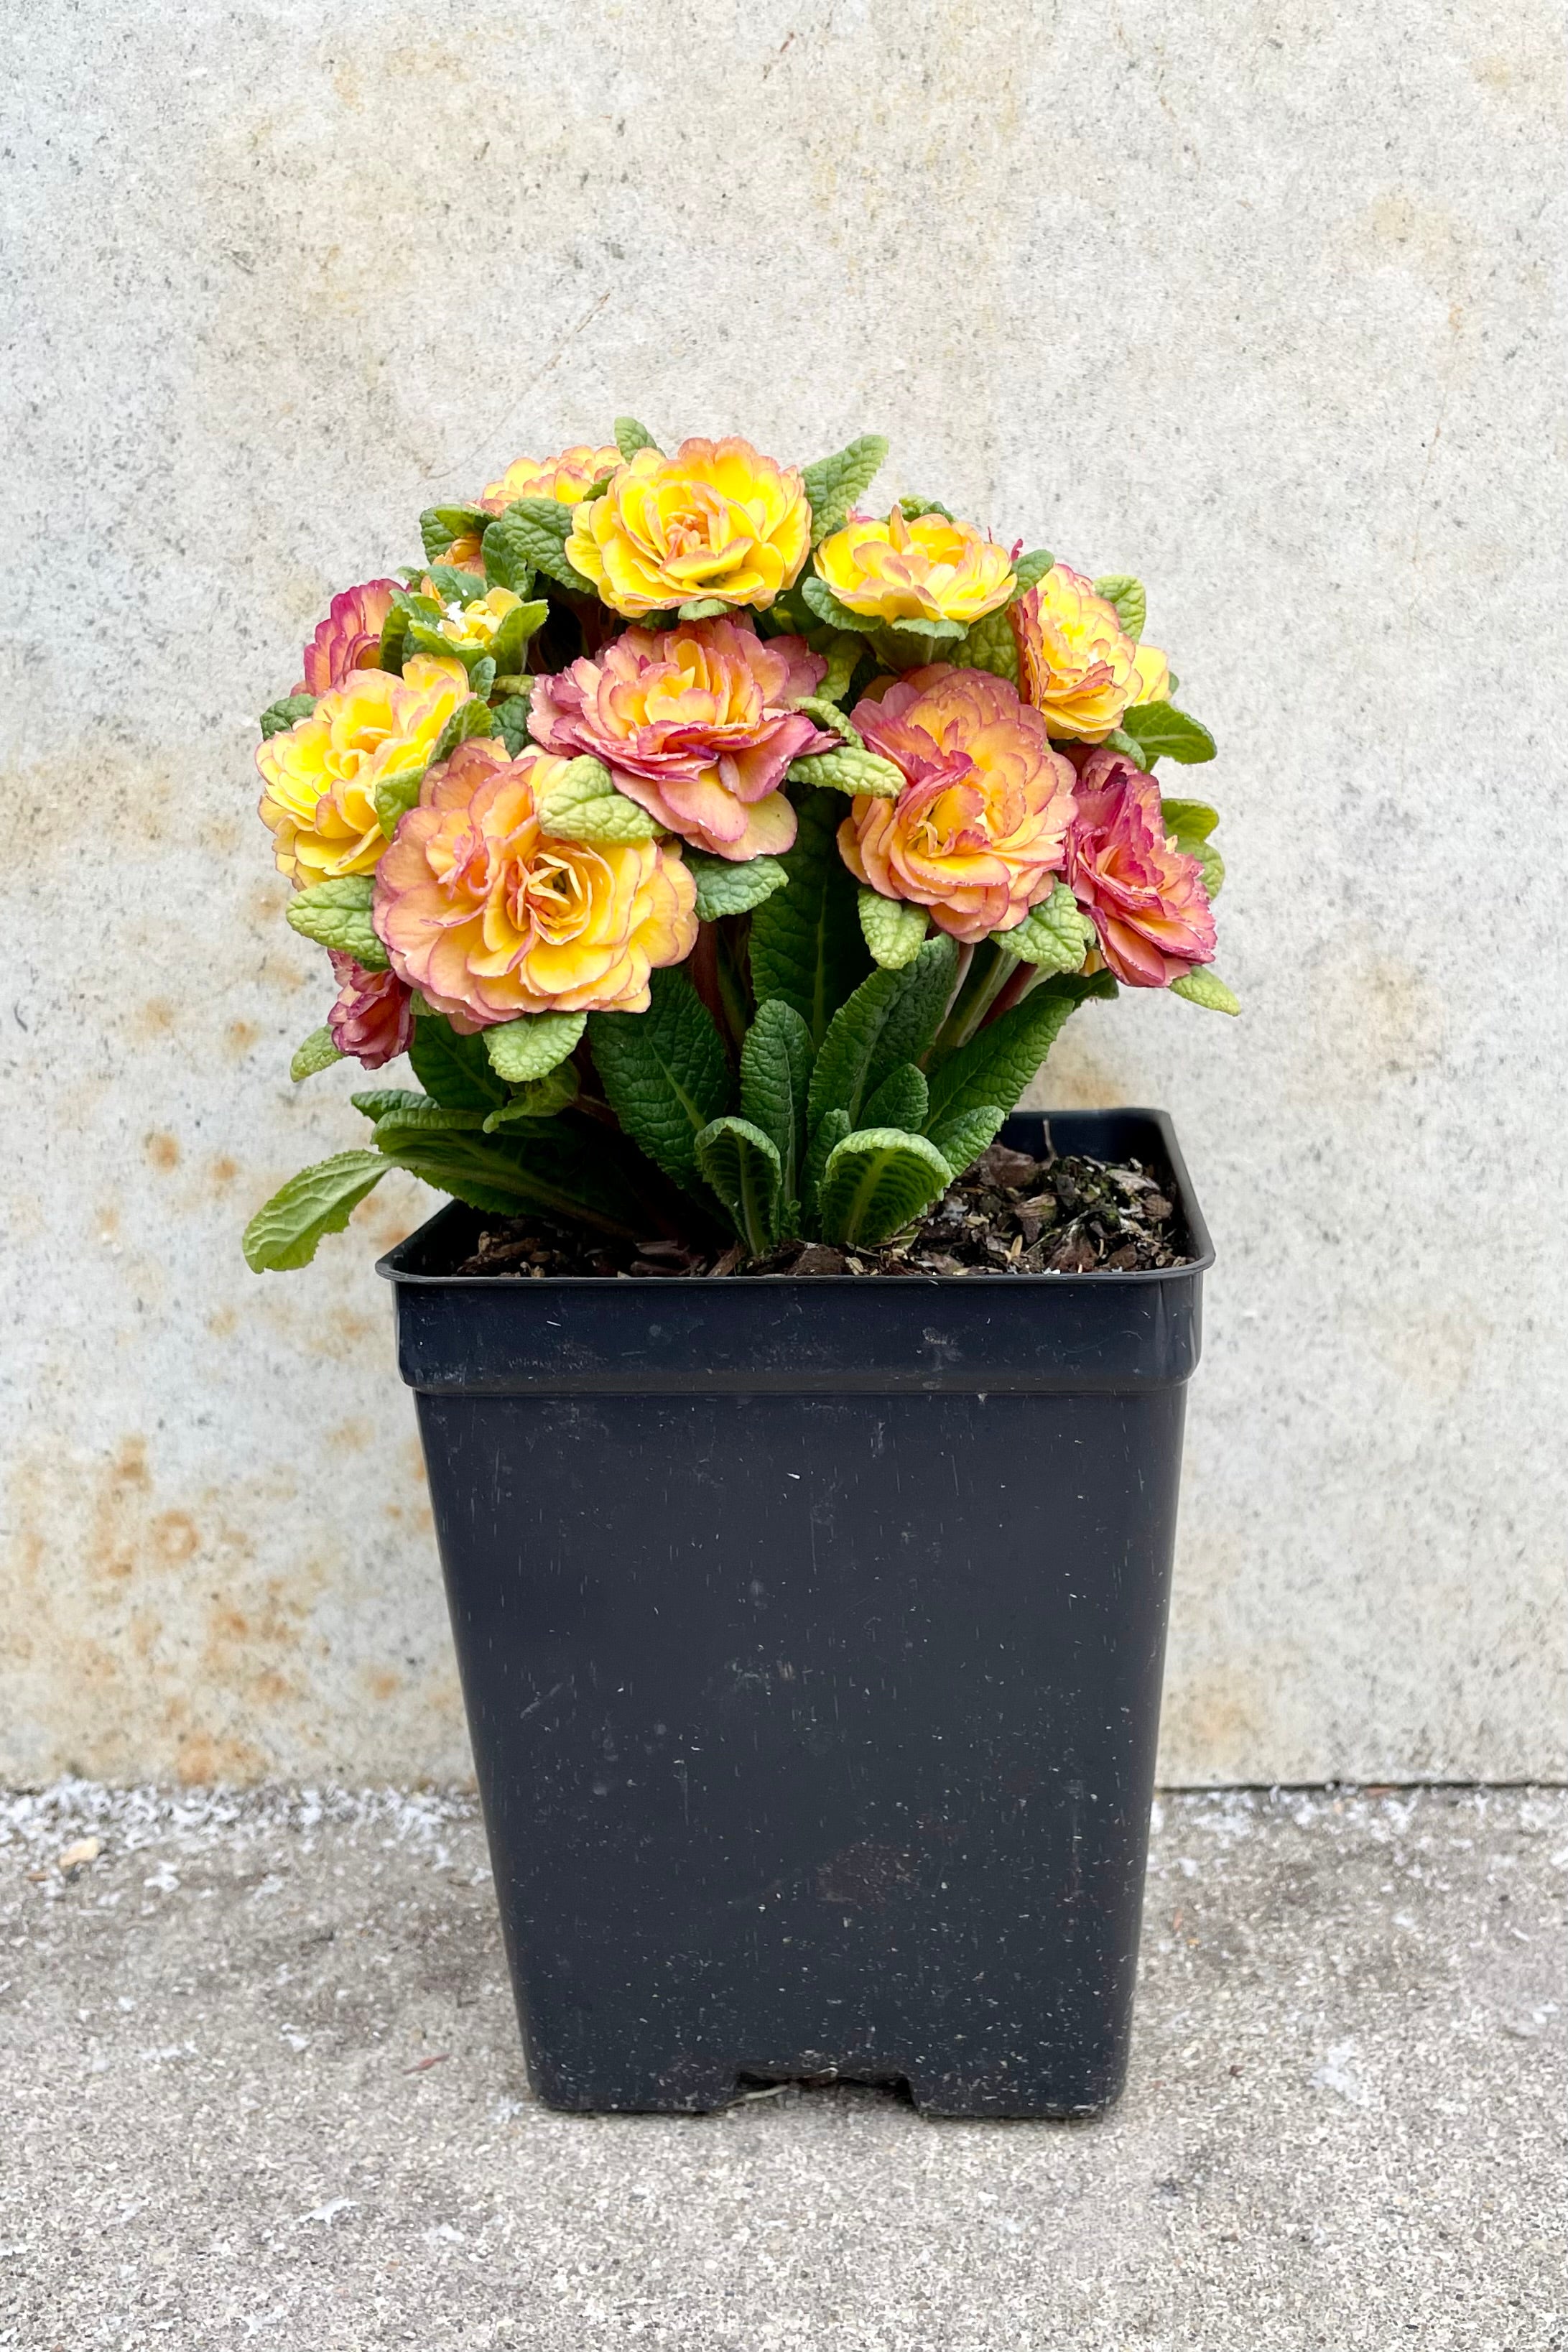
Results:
[720, 855]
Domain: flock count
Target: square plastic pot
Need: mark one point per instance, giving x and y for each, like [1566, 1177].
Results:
[811, 1634]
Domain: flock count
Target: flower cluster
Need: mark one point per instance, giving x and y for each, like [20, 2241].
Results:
[636, 711]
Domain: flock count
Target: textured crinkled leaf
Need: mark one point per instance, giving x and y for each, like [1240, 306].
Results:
[439, 526]
[831, 715]
[902, 1100]
[925, 636]
[893, 931]
[834, 484]
[472, 717]
[865, 1040]
[702, 608]
[631, 437]
[820, 600]
[318, 1200]
[805, 944]
[395, 795]
[1054, 935]
[317, 1053]
[394, 641]
[876, 1181]
[727, 886]
[1031, 569]
[1189, 823]
[337, 914]
[536, 531]
[538, 1098]
[996, 1065]
[1121, 589]
[775, 1084]
[508, 556]
[743, 1167]
[375, 1102]
[853, 771]
[912, 509]
[1213, 866]
[1201, 986]
[506, 646]
[533, 1045]
[280, 717]
[961, 1138]
[824, 1143]
[549, 1167]
[663, 1073]
[453, 1070]
[511, 719]
[991, 644]
[842, 656]
[1162, 731]
[584, 805]
[1128, 746]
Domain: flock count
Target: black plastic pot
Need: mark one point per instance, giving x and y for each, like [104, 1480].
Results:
[811, 1634]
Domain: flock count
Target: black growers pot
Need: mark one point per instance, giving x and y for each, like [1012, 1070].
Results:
[811, 1634]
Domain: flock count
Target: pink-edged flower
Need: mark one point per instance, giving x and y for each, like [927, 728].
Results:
[697, 724]
[372, 1018]
[1144, 897]
[978, 833]
[350, 638]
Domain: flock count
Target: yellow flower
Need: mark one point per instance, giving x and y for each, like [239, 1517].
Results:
[927, 570]
[566, 477]
[488, 916]
[1077, 665]
[321, 777]
[715, 520]
[473, 628]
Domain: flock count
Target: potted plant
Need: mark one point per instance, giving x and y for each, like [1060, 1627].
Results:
[803, 1425]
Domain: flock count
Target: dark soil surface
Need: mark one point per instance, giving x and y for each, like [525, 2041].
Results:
[1006, 1215]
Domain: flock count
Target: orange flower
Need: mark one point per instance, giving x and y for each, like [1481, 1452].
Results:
[567, 477]
[978, 833]
[320, 776]
[927, 570]
[1076, 662]
[715, 520]
[489, 917]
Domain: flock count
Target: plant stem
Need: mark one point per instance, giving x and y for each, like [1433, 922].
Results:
[989, 970]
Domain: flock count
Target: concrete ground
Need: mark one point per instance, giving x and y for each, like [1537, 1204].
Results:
[261, 2081]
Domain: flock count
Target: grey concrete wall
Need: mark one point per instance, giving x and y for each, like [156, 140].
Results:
[1257, 299]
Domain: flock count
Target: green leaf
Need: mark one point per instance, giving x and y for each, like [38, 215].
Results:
[631, 437]
[820, 600]
[278, 716]
[852, 771]
[743, 1167]
[893, 931]
[337, 914]
[702, 608]
[912, 509]
[454, 1071]
[395, 795]
[536, 531]
[375, 1102]
[1054, 935]
[996, 1065]
[1162, 731]
[961, 1138]
[533, 1045]
[902, 1100]
[865, 1039]
[928, 633]
[843, 655]
[876, 1181]
[1213, 866]
[663, 1073]
[472, 717]
[318, 1053]
[585, 806]
[537, 1099]
[1201, 986]
[775, 1082]
[318, 1200]
[439, 526]
[395, 640]
[1120, 588]
[1118, 740]
[1189, 824]
[824, 1143]
[726, 887]
[1031, 569]
[805, 944]
[551, 1168]
[834, 484]
[508, 554]
[511, 719]
[828, 714]
[991, 644]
